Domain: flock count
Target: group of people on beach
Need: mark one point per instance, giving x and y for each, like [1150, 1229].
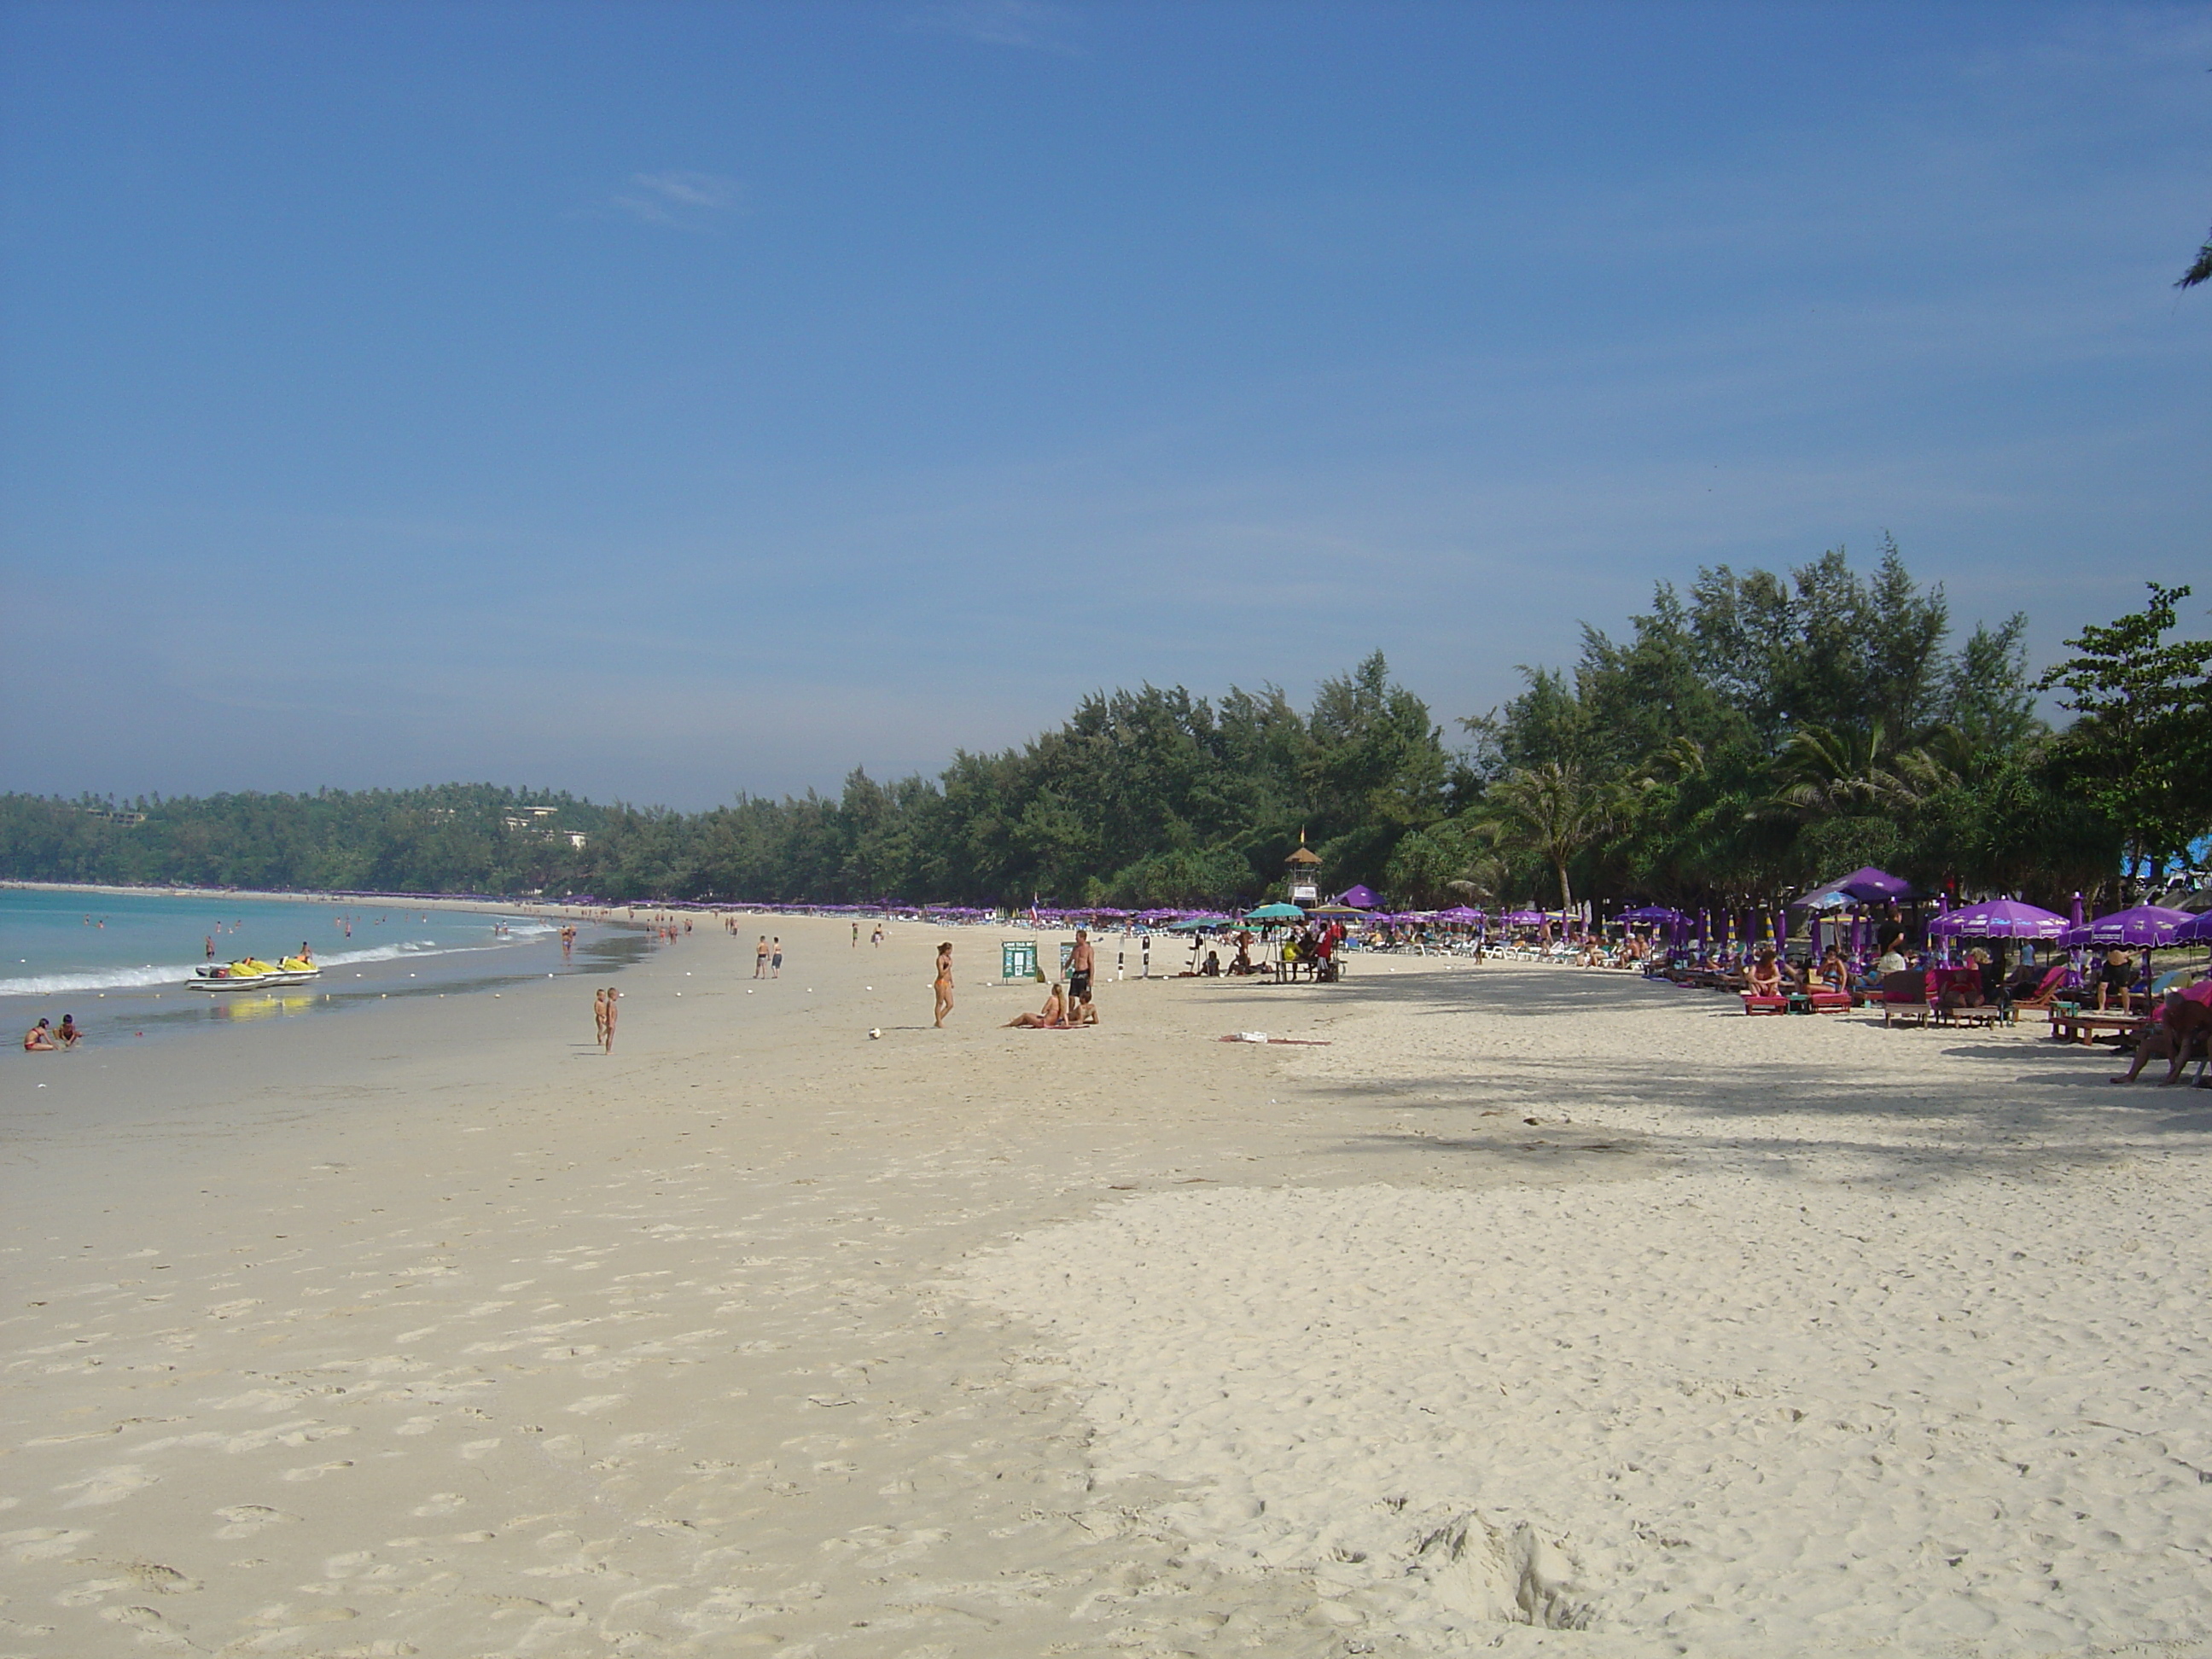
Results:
[1064, 1009]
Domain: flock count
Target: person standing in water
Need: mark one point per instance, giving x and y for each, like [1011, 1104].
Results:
[944, 987]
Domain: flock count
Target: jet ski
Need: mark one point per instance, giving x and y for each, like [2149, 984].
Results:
[252, 973]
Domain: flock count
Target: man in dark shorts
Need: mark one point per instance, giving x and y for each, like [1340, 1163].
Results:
[1079, 962]
[2114, 980]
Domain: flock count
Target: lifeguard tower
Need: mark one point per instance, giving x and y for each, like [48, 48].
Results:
[1302, 872]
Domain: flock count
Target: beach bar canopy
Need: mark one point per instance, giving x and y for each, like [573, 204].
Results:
[1998, 919]
[1361, 898]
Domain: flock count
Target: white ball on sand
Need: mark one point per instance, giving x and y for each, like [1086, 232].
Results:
[875, 1034]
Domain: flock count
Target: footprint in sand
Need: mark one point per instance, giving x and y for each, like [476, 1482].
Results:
[476, 1449]
[42, 1543]
[246, 1519]
[317, 1471]
[164, 1632]
[153, 1575]
[281, 1617]
[440, 1503]
[599, 1402]
[111, 1485]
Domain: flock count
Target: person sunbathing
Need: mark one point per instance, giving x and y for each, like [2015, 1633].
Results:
[2181, 1030]
[1052, 1017]
[1765, 975]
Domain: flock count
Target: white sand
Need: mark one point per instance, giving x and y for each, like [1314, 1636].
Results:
[429, 1330]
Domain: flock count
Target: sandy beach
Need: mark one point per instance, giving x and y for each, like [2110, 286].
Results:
[1538, 1310]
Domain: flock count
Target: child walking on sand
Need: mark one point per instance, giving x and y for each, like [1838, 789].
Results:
[944, 987]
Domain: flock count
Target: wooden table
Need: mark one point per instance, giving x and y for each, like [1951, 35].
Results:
[2083, 1026]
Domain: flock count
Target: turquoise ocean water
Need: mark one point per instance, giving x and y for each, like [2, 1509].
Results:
[118, 960]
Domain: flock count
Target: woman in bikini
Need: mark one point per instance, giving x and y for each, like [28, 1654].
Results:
[1053, 1017]
[944, 986]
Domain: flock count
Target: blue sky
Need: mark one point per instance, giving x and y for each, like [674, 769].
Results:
[662, 401]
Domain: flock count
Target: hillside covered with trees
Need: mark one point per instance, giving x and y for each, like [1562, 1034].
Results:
[1741, 740]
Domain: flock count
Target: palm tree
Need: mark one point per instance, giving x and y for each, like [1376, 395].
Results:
[2202, 270]
[1554, 811]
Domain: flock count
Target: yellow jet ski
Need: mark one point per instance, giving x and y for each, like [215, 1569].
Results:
[246, 974]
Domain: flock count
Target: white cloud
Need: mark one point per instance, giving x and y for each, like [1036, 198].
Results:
[1024, 23]
[679, 199]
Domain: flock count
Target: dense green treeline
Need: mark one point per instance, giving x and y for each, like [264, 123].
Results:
[1743, 739]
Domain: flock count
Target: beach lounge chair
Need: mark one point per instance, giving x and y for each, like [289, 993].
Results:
[1904, 994]
[1827, 1001]
[1947, 989]
[2047, 992]
[1755, 1004]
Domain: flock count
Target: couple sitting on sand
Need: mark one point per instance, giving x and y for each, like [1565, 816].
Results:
[43, 1039]
[1057, 1014]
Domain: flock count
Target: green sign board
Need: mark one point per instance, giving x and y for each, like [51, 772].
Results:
[1017, 957]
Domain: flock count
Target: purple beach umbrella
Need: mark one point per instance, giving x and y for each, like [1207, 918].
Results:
[1999, 919]
[2145, 925]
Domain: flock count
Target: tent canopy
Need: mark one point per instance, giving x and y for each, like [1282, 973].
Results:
[1275, 913]
[1874, 885]
[1360, 897]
